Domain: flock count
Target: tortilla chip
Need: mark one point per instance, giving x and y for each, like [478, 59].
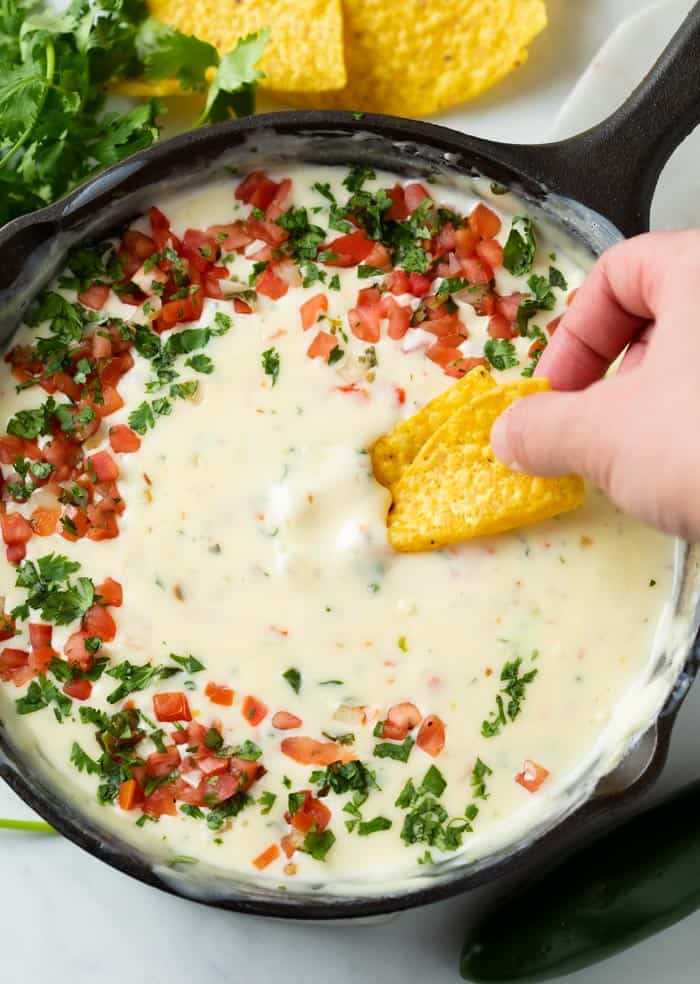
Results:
[393, 452]
[456, 489]
[415, 57]
[304, 52]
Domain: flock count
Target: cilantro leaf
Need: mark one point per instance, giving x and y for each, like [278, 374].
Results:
[166, 54]
[270, 360]
[501, 353]
[232, 91]
[519, 250]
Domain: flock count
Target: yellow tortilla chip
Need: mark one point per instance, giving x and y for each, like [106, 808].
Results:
[415, 57]
[304, 52]
[456, 489]
[393, 452]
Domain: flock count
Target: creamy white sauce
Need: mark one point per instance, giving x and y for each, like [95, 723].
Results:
[261, 509]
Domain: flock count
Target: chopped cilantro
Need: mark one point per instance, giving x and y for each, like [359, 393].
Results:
[399, 753]
[501, 353]
[271, 363]
[293, 678]
[318, 844]
[366, 827]
[519, 251]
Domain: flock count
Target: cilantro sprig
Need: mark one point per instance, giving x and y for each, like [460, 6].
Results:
[54, 69]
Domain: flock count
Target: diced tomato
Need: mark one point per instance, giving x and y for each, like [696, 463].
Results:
[443, 355]
[491, 252]
[219, 694]
[279, 200]
[378, 257]
[40, 658]
[199, 249]
[500, 327]
[364, 322]
[44, 521]
[75, 651]
[308, 751]
[78, 689]
[270, 284]
[393, 731]
[40, 634]
[77, 526]
[414, 195]
[508, 306]
[397, 282]
[214, 789]
[101, 346]
[398, 315]
[160, 226]
[268, 232]
[161, 802]
[183, 310]
[212, 766]
[312, 813]
[405, 715]
[253, 710]
[94, 297]
[137, 244]
[400, 395]
[285, 721]
[476, 271]
[257, 190]
[104, 466]
[11, 448]
[123, 440]
[268, 856]
[245, 771]
[311, 309]
[552, 325]
[130, 794]
[322, 345]
[179, 737]
[12, 660]
[532, 776]
[240, 307]
[445, 241]
[161, 764]
[465, 242]
[398, 210]
[350, 249]
[98, 622]
[117, 367]
[15, 552]
[431, 736]
[103, 523]
[291, 842]
[461, 367]
[15, 528]
[231, 237]
[171, 707]
[418, 284]
[485, 221]
[111, 402]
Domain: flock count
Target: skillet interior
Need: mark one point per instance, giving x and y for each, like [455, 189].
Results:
[33, 249]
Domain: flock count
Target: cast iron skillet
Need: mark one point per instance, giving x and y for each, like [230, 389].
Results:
[599, 184]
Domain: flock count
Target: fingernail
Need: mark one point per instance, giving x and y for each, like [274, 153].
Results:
[500, 442]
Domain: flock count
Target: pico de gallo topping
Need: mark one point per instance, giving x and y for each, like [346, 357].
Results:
[202, 624]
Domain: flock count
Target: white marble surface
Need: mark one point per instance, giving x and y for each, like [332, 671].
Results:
[66, 917]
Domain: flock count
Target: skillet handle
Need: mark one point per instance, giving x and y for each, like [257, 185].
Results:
[614, 167]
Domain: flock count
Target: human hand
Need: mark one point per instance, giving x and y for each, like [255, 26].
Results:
[636, 434]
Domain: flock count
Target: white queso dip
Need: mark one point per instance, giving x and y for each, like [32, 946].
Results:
[206, 636]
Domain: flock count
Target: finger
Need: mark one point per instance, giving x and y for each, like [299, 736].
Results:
[636, 353]
[616, 301]
[559, 433]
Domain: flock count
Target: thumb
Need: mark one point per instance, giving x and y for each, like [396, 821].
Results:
[558, 433]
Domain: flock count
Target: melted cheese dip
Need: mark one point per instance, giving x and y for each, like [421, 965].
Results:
[254, 539]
